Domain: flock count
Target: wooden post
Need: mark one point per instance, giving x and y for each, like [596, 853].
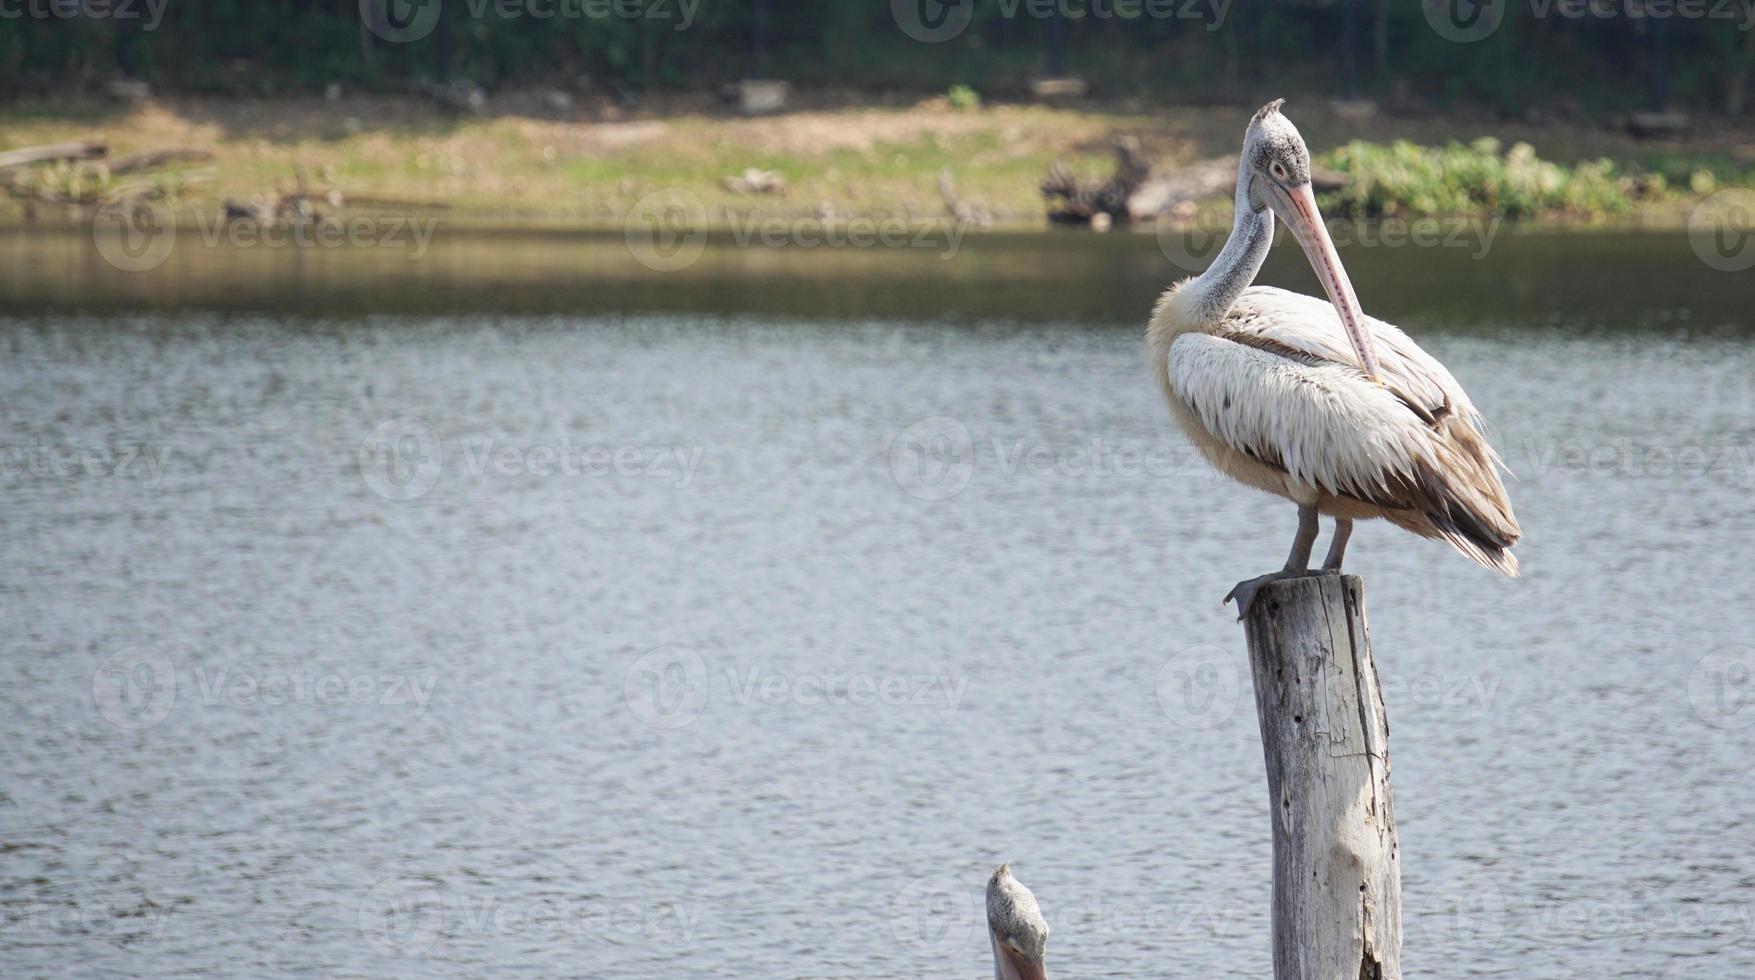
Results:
[1337, 870]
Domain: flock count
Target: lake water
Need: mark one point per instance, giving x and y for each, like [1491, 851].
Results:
[526, 610]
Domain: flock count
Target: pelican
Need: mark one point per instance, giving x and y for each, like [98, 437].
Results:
[1016, 928]
[1340, 413]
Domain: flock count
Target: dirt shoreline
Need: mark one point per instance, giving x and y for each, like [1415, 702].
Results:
[524, 163]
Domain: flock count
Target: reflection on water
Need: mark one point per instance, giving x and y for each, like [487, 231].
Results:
[678, 645]
[1500, 276]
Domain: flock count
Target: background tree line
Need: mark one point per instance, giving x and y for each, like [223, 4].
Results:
[1609, 59]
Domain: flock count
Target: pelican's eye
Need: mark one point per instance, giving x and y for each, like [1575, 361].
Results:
[1278, 169]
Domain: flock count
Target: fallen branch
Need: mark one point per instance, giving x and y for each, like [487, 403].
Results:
[157, 159]
[965, 212]
[393, 203]
[52, 153]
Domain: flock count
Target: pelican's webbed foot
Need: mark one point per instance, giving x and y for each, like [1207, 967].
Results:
[1244, 591]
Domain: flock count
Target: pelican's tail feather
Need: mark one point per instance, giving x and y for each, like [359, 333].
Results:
[1462, 500]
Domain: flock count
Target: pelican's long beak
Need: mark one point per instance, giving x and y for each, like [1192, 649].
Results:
[1013, 966]
[1296, 206]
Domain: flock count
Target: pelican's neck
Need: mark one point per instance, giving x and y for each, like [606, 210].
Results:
[1200, 304]
[1208, 297]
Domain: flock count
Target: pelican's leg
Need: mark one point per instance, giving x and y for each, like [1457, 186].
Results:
[1297, 563]
[1337, 546]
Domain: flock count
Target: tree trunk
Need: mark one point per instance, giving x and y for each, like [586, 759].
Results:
[1737, 75]
[1337, 911]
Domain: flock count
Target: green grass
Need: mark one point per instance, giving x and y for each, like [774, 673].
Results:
[873, 162]
[1408, 180]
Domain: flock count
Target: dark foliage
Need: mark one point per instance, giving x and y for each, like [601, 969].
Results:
[1592, 57]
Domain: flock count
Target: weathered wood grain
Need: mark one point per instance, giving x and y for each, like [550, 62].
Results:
[1337, 911]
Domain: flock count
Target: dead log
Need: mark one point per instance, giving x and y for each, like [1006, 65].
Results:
[1337, 912]
[1072, 201]
[53, 153]
[1141, 191]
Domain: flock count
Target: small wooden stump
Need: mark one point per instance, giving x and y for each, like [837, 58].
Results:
[1054, 89]
[762, 96]
[1337, 869]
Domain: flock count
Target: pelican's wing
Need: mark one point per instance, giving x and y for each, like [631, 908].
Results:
[1310, 326]
[1326, 426]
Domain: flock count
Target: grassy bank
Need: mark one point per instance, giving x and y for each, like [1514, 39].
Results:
[521, 163]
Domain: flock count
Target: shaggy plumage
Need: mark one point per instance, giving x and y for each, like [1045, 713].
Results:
[1271, 389]
[1016, 927]
[1273, 396]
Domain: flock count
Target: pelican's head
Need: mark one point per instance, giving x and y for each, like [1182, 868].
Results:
[1019, 933]
[1276, 164]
